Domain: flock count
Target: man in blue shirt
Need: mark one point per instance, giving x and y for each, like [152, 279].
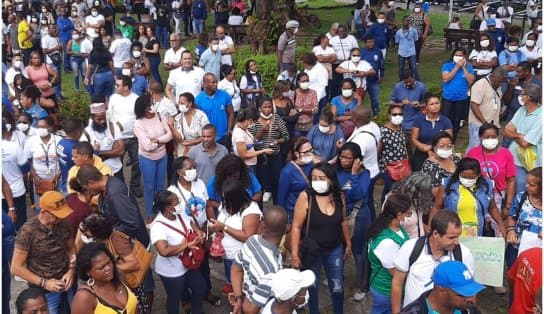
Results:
[139, 83]
[380, 32]
[512, 56]
[200, 13]
[65, 26]
[217, 105]
[374, 55]
[498, 35]
[410, 94]
[73, 129]
[406, 38]
[210, 60]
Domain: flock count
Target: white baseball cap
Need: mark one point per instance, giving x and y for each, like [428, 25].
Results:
[287, 282]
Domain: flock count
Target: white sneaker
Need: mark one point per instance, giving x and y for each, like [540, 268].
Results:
[266, 197]
[359, 296]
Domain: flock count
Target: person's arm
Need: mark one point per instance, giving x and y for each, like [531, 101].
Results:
[427, 29]
[230, 114]
[419, 145]
[510, 193]
[117, 150]
[178, 137]
[396, 290]
[145, 69]
[18, 268]
[448, 76]
[168, 91]
[300, 213]
[147, 144]
[54, 75]
[508, 95]
[476, 111]
[345, 230]
[494, 212]
[68, 277]
[167, 250]
[167, 136]
[236, 279]
[250, 226]
[341, 70]
[8, 195]
[84, 302]
[511, 132]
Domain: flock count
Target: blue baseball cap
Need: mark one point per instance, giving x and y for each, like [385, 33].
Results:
[454, 275]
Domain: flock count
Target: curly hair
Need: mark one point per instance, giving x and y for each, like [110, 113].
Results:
[99, 225]
[231, 167]
[418, 188]
[85, 257]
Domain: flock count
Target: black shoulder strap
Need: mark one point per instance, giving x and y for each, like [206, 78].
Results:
[418, 247]
[373, 136]
[457, 254]
[521, 201]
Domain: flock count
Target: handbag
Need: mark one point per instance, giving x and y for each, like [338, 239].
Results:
[309, 248]
[217, 251]
[527, 157]
[135, 278]
[44, 185]
[191, 258]
[56, 58]
[398, 170]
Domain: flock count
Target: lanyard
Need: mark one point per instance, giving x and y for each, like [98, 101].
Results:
[46, 152]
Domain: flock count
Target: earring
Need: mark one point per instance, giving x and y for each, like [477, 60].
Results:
[90, 282]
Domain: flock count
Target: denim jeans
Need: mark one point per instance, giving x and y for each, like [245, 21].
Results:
[103, 83]
[373, 89]
[419, 45]
[473, 138]
[154, 62]
[198, 26]
[521, 179]
[371, 198]
[78, 69]
[411, 64]
[154, 176]
[511, 254]
[66, 59]
[131, 148]
[58, 69]
[162, 36]
[174, 286]
[455, 111]
[8, 243]
[359, 248]
[333, 262]
[381, 304]
[387, 184]
[56, 301]
[268, 174]
[20, 208]
[227, 263]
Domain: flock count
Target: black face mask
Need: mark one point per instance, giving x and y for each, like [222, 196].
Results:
[99, 127]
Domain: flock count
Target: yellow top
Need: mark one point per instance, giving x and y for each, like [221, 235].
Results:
[130, 307]
[466, 209]
[100, 165]
[22, 30]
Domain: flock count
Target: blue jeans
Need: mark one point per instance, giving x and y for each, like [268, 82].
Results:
[57, 68]
[381, 304]
[20, 208]
[228, 264]
[78, 69]
[103, 83]
[387, 184]
[333, 262]
[373, 89]
[411, 64]
[154, 176]
[359, 248]
[268, 173]
[162, 36]
[371, 197]
[131, 148]
[473, 138]
[175, 286]
[56, 300]
[66, 61]
[154, 62]
[198, 26]
[521, 179]
[8, 243]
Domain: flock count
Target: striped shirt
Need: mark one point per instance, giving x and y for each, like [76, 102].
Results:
[257, 258]
[278, 130]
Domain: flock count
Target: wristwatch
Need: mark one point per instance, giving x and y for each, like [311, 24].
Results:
[238, 297]
[225, 228]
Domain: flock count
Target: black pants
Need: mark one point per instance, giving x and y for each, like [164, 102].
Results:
[455, 111]
[131, 148]
[419, 44]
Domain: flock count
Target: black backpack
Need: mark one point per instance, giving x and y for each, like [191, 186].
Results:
[418, 247]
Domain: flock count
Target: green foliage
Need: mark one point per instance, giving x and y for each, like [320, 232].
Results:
[76, 106]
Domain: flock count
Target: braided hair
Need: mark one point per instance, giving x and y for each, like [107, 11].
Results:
[418, 187]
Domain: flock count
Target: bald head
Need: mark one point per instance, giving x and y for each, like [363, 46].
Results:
[275, 222]
[220, 32]
[360, 116]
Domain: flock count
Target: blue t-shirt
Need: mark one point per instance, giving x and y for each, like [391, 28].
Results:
[375, 58]
[380, 34]
[416, 93]
[211, 62]
[199, 10]
[341, 108]
[65, 27]
[36, 112]
[139, 85]
[64, 151]
[428, 130]
[252, 190]
[457, 88]
[291, 183]
[507, 57]
[324, 144]
[215, 107]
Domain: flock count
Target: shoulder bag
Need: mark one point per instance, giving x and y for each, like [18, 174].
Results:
[398, 170]
[191, 258]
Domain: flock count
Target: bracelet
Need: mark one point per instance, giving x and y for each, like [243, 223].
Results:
[12, 209]
[510, 228]
[225, 228]
[42, 283]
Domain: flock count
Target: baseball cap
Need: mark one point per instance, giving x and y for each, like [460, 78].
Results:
[491, 22]
[54, 203]
[454, 275]
[287, 282]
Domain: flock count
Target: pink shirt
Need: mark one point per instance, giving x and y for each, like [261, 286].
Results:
[150, 129]
[39, 77]
[498, 167]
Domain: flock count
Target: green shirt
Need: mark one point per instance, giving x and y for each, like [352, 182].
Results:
[127, 31]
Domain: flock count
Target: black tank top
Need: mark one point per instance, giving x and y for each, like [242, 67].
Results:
[325, 230]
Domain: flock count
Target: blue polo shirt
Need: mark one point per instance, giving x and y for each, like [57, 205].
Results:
[211, 61]
[215, 107]
[407, 42]
[139, 85]
[380, 34]
[499, 38]
[428, 130]
[375, 58]
[36, 112]
[507, 57]
[417, 93]
[457, 88]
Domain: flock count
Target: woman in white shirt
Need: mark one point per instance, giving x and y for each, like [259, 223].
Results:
[239, 218]
[229, 85]
[356, 69]
[483, 57]
[187, 126]
[167, 236]
[324, 54]
[531, 50]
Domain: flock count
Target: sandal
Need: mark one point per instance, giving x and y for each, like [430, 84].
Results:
[213, 300]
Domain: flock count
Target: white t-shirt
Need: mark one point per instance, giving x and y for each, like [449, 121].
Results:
[420, 274]
[99, 19]
[166, 107]
[45, 160]
[234, 92]
[485, 56]
[224, 43]
[49, 42]
[10, 76]
[230, 244]
[170, 266]
[171, 56]
[243, 136]
[387, 251]
[105, 140]
[319, 79]
[235, 20]
[361, 66]
[368, 145]
[121, 108]
[186, 81]
[531, 54]
[483, 26]
[197, 197]
[12, 158]
[120, 51]
[267, 309]
[319, 51]
[503, 11]
[343, 46]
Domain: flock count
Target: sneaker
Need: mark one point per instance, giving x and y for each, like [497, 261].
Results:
[266, 197]
[227, 288]
[359, 296]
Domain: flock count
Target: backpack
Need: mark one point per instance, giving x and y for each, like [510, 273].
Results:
[524, 197]
[418, 247]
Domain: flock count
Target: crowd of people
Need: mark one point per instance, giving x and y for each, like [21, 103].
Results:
[278, 184]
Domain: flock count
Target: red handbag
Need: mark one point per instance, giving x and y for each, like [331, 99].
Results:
[191, 258]
[217, 251]
[398, 170]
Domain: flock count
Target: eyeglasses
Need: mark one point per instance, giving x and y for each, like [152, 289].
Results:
[309, 151]
[345, 157]
[396, 114]
[355, 55]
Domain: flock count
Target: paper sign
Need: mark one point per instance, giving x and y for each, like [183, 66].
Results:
[529, 240]
[488, 256]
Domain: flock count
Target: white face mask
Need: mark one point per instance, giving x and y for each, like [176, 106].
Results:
[42, 132]
[17, 64]
[215, 47]
[125, 72]
[152, 109]
[444, 153]
[320, 186]
[94, 13]
[520, 100]
[347, 92]
[484, 43]
[307, 159]
[397, 120]
[381, 21]
[513, 48]
[295, 30]
[74, 13]
[267, 117]
[490, 143]
[122, 23]
[8, 127]
[457, 58]
[34, 20]
[23, 127]
[530, 43]
[467, 182]
[304, 85]
[136, 53]
[324, 129]
[44, 10]
[85, 239]
[417, 10]
[177, 210]
[190, 175]
[183, 108]
[355, 59]
[75, 36]
[391, 3]
[539, 28]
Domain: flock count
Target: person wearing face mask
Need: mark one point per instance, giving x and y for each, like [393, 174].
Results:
[16, 68]
[406, 38]
[326, 137]
[289, 289]
[536, 30]
[421, 22]
[139, 82]
[470, 195]
[270, 131]
[512, 56]
[342, 43]
[65, 29]
[410, 94]
[317, 75]
[94, 20]
[210, 59]
[386, 237]
[324, 207]
[186, 126]
[380, 33]
[168, 236]
[357, 70]
[152, 131]
[342, 106]
[287, 44]
[77, 57]
[442, 163]
[243, 140]
[483, 57]
[251, 85]
[480, 15]
[229, 85]
[532, 47]
[126, 29]
[140, 64]
[29, 104]
[305, 103]
[23, 123]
